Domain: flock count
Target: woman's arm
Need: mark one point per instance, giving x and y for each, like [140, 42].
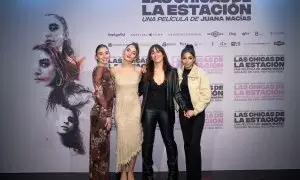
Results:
[141, 85]
[177, 94]
[99, 91]
[110, 94]
[204, 93]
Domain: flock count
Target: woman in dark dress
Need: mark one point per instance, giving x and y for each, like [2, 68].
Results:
[101, 116]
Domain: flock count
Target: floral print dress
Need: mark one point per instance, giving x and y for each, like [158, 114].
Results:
[99, 136]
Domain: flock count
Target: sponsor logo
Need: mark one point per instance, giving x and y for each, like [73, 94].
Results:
[235, 43]
[116, 34]
[183, 43]
[279, 43]
[257, 33]
[219, 44]
[165, 44]
[116, 44]
[198, 44]
[245, 33]
[257, 43]
[155, 34]
[146, 34]
[184, 34]
[223, 44]
[215, 33]
[277, 33]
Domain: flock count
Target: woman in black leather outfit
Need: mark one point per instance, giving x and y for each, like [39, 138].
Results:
[159, 88]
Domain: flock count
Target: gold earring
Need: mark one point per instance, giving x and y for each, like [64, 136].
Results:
[60, 82]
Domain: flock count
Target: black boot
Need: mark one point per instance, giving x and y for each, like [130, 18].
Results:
[147, 162]
[173, 165]
[147, 173]
[172, 162]
[145, 177]
[173, 170]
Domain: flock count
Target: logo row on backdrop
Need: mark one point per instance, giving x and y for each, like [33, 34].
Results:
[210, 34]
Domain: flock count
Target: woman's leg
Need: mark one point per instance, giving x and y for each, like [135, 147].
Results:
[123, 172]
[131, 168]
[186, 129]
[149, 124]
[99, 149]
[166, 125]
[192, 131]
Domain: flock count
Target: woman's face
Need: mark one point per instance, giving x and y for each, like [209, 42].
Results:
[66, 120]
[45, 69]
[188, 60]
[129, 53]
[103, 55]
[55, 32]
[157, 56]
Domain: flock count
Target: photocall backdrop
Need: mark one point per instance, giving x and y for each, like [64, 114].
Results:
[249, 49]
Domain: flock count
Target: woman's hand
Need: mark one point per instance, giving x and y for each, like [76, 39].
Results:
[144, 68]
[189, 113]
[108, 123]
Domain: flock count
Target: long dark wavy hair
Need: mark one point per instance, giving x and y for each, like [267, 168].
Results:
[61, 96]
[150, 64]
[67, 49]
[190, 49]
[57, 60]
[62, 90]
[73, 139]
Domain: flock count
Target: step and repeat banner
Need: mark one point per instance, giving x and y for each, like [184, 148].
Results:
[249, 49]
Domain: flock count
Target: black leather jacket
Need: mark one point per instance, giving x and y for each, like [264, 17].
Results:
[173, 92]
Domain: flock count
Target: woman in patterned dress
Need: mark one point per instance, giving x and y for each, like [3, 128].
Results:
[101, 116]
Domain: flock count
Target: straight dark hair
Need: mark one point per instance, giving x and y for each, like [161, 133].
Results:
[57, 60]
[100, 46]
[150, 64]
[190, 49]
[73, 139]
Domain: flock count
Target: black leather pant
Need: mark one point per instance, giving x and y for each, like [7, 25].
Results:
[192, 130]
[166, 125]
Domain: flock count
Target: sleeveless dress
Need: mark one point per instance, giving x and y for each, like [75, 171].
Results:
[127, 118]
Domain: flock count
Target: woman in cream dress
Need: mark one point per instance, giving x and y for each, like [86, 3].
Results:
[127, 112]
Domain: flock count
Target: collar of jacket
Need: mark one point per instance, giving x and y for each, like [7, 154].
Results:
[192, 74]
[170, 88]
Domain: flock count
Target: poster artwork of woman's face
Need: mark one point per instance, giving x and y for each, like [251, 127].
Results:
[44, 67]
[53, 69]
[57, 30]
